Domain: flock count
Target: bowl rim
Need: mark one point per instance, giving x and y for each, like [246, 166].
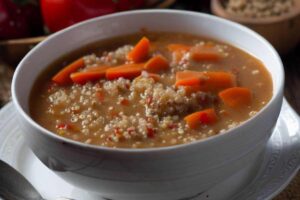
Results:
[218, 9]
[60, 139]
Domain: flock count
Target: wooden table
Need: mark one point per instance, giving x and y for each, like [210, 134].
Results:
[292, 87]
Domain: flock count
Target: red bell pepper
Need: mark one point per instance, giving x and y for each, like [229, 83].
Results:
[59, 14]
[19, 18]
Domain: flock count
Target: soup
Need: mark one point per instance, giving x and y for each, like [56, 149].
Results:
[150, 89]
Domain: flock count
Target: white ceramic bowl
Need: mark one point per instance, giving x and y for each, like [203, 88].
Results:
[169, 173]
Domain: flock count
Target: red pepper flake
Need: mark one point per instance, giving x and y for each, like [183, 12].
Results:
[63, 126]
[109, 139]
[150, 132]
[172, 126]
[118, 133]
[117, 130]
[149, 100]
[130, 130]
[113, 113]
[127, 86]
[124, 102]
[100, 96]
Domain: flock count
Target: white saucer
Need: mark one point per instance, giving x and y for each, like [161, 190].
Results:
[280, 163]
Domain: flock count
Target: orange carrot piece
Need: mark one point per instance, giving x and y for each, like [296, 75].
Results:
[215, 81]
[181, 75]
[140, 52]
[205, 53]
[91, 74]
[156, 64]
[191, 89]
[84, 77]
[236, 97]
[204, 117]
[98, 68]
[63, 76]
[128, 71]
[124, 102]
[206, 81]
[192, 81]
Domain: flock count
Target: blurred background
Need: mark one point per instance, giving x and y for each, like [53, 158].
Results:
[24, 23]
[31, 21]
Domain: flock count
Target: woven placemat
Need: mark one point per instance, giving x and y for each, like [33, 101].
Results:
[6, 73]
[292, 192]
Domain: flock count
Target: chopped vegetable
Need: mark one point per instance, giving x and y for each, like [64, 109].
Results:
[98, 68]
[156, 64]
[191, 89]
[150, 132]
[140, 52]
[236, 97]
[192, 81]
[206, 81]
[204, 117]
[100, 96]
[124, 102]
[63, 76]
[91, 74]
[205, 53]
[128, 71]
[84, 77]
[63, 126]
[215, 81]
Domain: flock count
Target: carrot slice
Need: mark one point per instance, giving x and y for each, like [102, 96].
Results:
[215, 81]
[156, 64]
[236, 97]
[128, 71]
[191, 81]
[181, 75]
[205, 81]
[91, 74]
[205, 53]
[140, 52]
[63, 76]
[191, 89]
[204, 117]
[98, 68]
[84, 77]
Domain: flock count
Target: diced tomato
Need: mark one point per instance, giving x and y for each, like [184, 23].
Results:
[150, 132]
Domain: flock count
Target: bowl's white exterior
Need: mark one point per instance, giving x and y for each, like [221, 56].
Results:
[162, 173]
